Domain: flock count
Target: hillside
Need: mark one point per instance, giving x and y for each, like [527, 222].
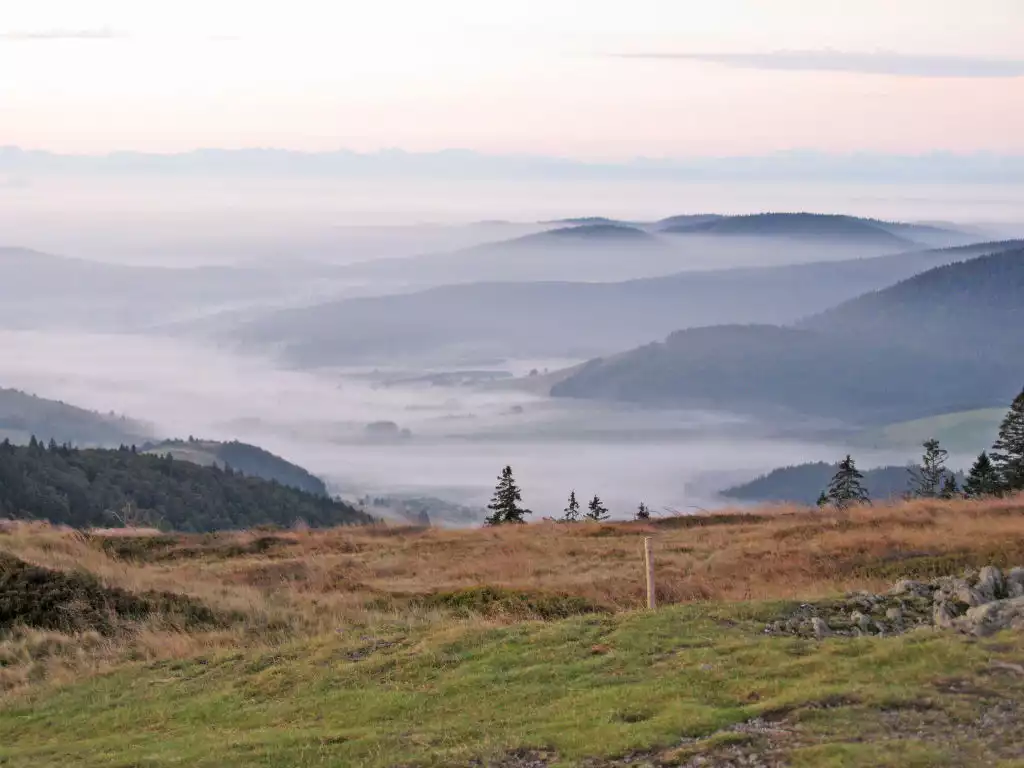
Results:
[973, 309]
[23, 415]
[516, 648]
[241, 457]
[949, 339]
[803, 483]
[84, 488]
[486, 320]
[798, 226]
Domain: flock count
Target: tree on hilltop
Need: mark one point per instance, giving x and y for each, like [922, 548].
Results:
[504, 504]
[643, 512]
[596, 510]
[983, 479]
[926, 478]
[572, 510]
[1008, 450]
[847, 487]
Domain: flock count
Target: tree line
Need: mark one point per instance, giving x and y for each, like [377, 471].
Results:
[506, 508]
[997, 472]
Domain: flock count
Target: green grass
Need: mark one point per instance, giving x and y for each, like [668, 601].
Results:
[962, 432]
[588, 688]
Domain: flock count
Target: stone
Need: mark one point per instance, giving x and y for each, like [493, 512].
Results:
[991, 584]
[970, 597]
[820, 628]
[894, 614]
[1015, 582]
[909, 587]
[862, 622]
[993, 617]
[943, 615]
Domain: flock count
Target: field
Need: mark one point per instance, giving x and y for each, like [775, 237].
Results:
[968, 432]
[523, 646]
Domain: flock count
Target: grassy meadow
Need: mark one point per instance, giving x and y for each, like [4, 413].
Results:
[519, 646]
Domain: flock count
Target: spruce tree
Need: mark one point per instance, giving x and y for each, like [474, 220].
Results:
[949, 490]
[926, 479]
[596, 511]
[846, 487]
[504, 504]
[983, 479]
[572, 510]
[643, 512]
[1008, 450]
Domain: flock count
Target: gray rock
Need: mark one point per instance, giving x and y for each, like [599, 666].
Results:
[820, 628]
[894, 614]
[991, 584]
[864, 623]
[1015, 582]
[943, 615]
[993, 617]
[971, 597]
[909, 587]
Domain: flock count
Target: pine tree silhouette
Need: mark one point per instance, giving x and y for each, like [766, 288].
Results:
[643, 512]
[1008, 450]
[572, 510]
[983, 479]
[504, 504]
[926, 479]
[596, 510]
[846, 487]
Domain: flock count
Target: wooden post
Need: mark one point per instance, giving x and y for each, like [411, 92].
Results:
[649, 569]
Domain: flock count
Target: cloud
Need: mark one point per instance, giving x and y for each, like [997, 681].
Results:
[60, 34]
[871, 63]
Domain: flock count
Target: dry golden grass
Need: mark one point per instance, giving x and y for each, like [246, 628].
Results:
[309, 582]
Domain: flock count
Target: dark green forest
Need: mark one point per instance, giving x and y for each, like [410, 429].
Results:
[96, 487]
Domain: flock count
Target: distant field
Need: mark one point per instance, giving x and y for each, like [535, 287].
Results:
[517, 647]
[961, 432]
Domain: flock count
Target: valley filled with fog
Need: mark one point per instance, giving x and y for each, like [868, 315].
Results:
[404, 337]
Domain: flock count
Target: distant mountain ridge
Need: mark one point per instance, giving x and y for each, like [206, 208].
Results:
[798, 225]
[948, 339]
[479, 320]
[23, 415]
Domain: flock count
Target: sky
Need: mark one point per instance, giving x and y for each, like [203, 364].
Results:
[587, 79]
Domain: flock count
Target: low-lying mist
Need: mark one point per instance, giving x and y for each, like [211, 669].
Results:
[457, 440]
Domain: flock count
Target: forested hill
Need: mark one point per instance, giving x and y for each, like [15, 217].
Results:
[244, 458]
[85, 488]
[23, 415]
[802, 483]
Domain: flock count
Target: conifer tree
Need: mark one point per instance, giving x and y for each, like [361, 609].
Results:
[504, 504]
[950, 489]
[822, 500]
[926, 479]
[846, 487]
[1008, 450]
[572, 510]
[643, 512]
[983, 479]
[596, 510]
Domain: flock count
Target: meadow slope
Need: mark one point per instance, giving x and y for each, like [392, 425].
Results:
[523, 646]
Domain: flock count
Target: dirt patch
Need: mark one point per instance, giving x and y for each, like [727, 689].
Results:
[77, 602]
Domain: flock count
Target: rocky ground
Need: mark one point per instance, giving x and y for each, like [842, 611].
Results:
[978, 603]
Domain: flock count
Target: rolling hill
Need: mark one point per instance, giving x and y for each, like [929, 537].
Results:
[241, 457]
[84, 488]
[23, 415]
[946, 340]
[463, 323]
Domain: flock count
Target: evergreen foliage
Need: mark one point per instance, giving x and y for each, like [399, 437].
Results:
[926, 479]
[94, 487]
[1008, 450]
[847, 486]
[572, 509]
[643, 512]
[596, 510]
[983, 479]
[504, 506]
[950, 489]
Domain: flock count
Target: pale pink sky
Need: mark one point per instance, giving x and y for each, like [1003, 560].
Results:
[532, 76]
